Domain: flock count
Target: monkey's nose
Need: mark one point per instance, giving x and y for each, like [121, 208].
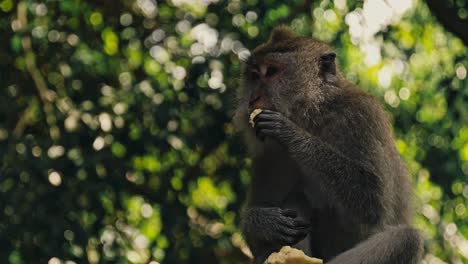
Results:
[263, 70]
[267, 71]
[254, 98]
[258, 99]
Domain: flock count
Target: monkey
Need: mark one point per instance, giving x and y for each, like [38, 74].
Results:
[326, 175]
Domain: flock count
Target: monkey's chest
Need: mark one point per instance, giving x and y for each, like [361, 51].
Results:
[278, 181]
[273, 184]
[275, 177]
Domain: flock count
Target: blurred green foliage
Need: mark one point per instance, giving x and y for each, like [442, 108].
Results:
[116, 141]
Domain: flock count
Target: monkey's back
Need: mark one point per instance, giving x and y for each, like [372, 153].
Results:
[356, 125]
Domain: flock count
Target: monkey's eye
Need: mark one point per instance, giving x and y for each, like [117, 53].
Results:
[263, 72]
[271, 71]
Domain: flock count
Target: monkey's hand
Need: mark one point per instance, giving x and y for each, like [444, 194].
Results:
[275, 125]
[274, 226]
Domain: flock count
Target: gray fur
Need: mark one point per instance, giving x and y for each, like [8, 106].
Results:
[328, 155]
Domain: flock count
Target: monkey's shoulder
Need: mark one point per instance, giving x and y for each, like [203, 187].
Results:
[355, 111]
[356, 125]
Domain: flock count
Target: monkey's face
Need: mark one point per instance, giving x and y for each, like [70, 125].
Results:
[288, 74]
[267, 82]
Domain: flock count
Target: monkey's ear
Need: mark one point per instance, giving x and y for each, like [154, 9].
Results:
[282, 33]
[328, 66]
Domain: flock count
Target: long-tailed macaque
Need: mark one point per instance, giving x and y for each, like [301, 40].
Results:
[327, 177]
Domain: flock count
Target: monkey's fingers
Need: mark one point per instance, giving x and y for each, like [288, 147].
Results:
[294, 223]
[264, 129]
[291, 236]
[301, 223]
[267, 115]
[299, 232]
[267, 132]
[267, 111]
[266, 125]
[289, 213]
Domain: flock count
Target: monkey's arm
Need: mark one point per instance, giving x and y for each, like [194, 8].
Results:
[356, 183]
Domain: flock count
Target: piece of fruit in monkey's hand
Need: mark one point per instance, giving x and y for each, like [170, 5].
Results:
[289, 255]
[254, 113]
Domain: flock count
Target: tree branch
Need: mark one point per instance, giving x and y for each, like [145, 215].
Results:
[448, 17]
[44, 94]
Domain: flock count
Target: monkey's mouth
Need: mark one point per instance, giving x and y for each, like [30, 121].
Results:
[259, 101]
